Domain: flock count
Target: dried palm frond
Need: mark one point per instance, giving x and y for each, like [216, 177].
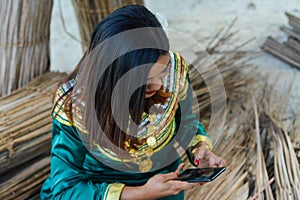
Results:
[262, 184]
[261, 151]
[258, 145]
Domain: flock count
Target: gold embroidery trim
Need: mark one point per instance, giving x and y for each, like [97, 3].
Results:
[201, 138]
[113, 191]
[183, 93]
[113, 156]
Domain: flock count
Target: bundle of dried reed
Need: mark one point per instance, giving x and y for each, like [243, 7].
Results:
[90, 12]
[26, 181]
[24, 42]
[25, 122]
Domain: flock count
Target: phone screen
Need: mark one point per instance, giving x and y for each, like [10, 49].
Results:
[201, 174]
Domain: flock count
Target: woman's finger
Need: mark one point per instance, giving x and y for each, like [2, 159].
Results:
[183, 185]
[222, 163]
[179, 168]
[216, 161]
[169, 176]
[203, 164]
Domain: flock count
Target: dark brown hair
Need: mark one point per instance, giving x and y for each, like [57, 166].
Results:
[96, 83]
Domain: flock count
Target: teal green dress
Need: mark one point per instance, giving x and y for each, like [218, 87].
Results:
[75, 173]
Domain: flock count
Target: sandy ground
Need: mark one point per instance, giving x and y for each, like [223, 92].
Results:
[200, 20]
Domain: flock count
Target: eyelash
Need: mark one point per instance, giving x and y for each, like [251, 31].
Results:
[164, 71]
[167, 68]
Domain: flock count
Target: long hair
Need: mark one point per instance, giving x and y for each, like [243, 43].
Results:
[111, 55]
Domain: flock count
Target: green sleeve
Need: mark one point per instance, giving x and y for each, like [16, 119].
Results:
[68, 179]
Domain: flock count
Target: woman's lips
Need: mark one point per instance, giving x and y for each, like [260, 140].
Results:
[151, 92]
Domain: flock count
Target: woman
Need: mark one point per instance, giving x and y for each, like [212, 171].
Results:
[118, 115]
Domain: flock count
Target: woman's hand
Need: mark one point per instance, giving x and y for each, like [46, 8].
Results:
[205, 158]
[158, 186]
[163, 185]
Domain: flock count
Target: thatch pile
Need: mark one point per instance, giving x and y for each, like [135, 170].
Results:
[90, 12]
[260, 141]
[288, 51]
[25, 134]
[24, 42]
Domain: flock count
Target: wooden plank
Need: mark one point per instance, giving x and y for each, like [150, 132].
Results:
[282, 52]
[291, 32]
[293, 20]
[293, 44]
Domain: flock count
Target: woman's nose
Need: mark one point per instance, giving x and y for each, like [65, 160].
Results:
[154, 85]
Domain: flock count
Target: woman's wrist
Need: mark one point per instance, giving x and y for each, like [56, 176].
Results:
[199, 139]
[136, 193]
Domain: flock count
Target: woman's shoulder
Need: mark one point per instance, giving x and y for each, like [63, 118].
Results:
[62, 111]
[181, 71]
[178, 61]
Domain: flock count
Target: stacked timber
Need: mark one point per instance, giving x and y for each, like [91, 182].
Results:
[25, 137]
[288, 51]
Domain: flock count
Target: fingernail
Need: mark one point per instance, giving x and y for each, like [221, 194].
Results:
[196, 161]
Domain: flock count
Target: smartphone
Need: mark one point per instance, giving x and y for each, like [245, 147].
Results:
[194, 175]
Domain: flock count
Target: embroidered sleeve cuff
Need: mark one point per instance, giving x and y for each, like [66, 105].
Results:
[198, 138]
[201, 138]
[113, 191]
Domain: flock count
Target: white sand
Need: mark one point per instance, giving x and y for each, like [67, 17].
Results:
[200, 20]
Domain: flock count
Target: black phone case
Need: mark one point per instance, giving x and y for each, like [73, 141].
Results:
[200, 174]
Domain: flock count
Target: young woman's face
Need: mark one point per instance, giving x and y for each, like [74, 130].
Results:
[159, 70]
